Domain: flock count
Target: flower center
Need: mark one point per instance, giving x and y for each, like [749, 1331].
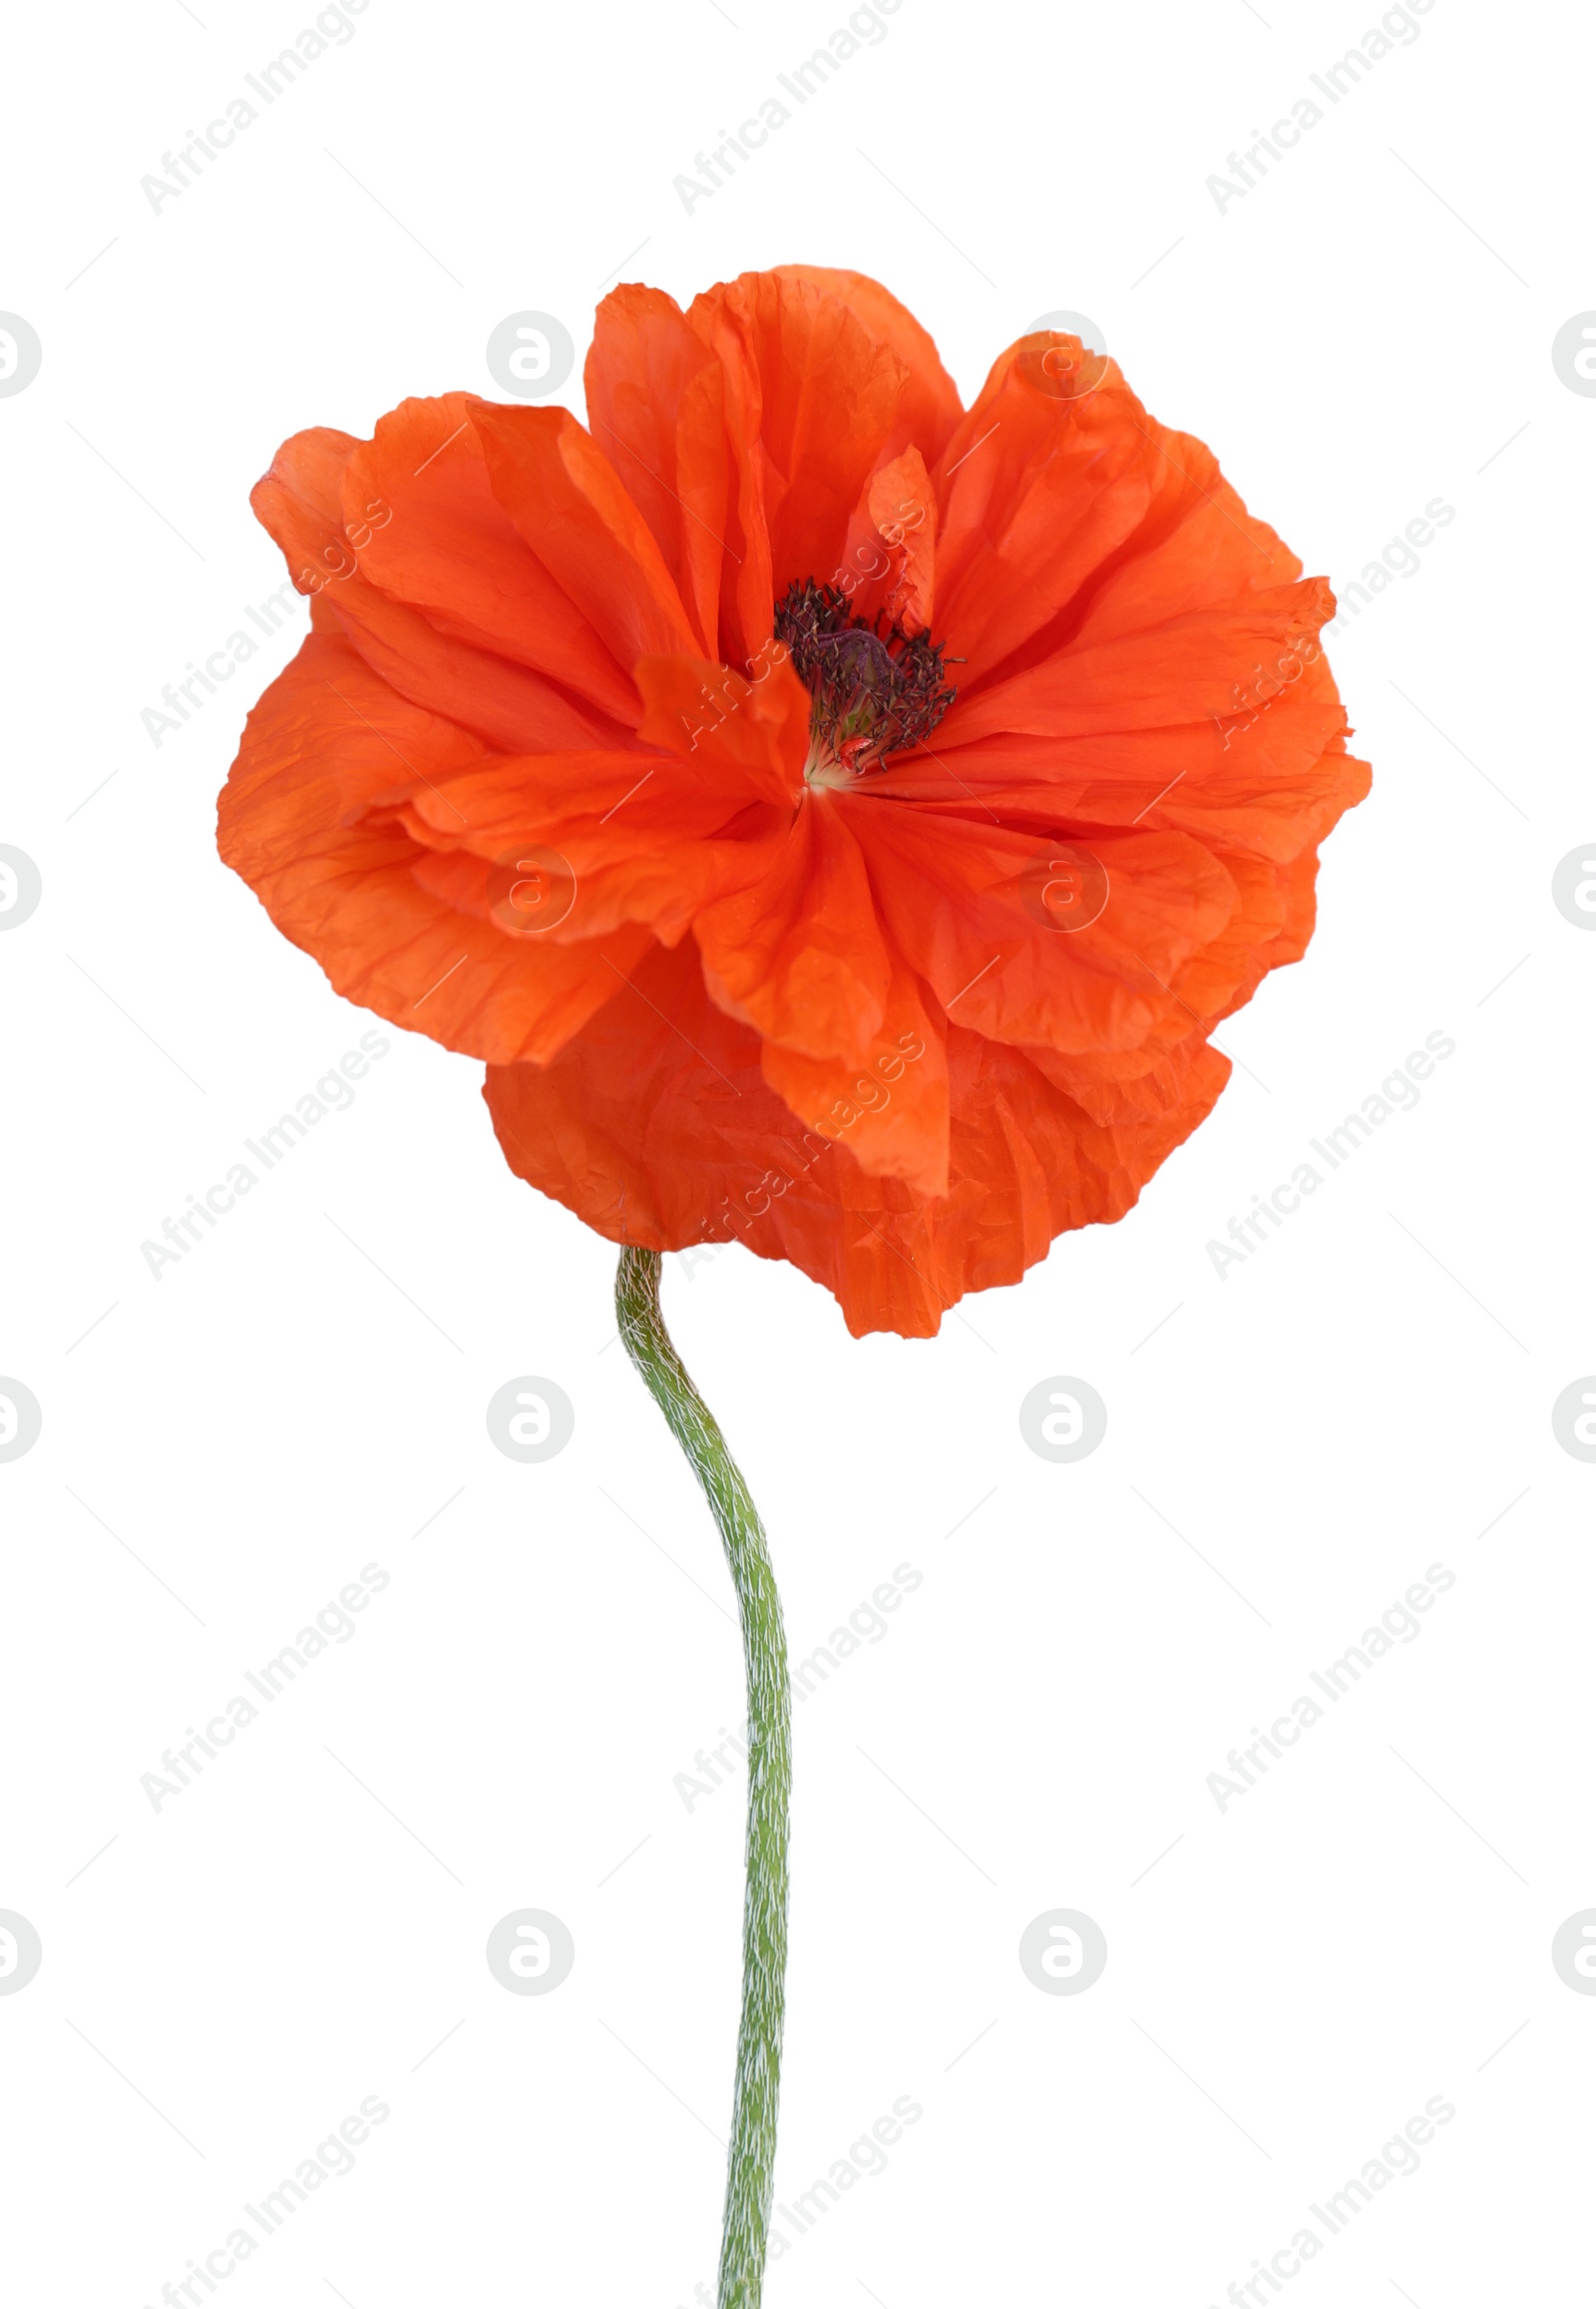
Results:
[876, 688]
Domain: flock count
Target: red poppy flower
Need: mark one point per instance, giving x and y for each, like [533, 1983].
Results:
[838, 817]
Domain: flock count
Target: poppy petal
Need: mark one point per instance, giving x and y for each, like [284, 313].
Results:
[891, 1113]
[799, 954]
[969, 916]
[570, 506]
[825, 393]
[1036, 491]
[657, 406]
[419, 503]
[890, 557]
[303, 819]
[746, 734]
[1187, 670]
[639, 840]
[929, 406]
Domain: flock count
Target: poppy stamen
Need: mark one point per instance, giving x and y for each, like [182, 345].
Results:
[876, 688]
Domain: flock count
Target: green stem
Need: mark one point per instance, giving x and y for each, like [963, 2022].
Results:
[751, 2154]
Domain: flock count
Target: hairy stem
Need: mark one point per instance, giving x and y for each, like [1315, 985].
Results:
[751, 2154]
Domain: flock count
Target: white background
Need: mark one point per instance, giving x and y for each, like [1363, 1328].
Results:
[1289, 1980]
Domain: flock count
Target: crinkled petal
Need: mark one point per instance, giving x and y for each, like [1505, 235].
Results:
[656, 407]
[307, 818]
[799, 954]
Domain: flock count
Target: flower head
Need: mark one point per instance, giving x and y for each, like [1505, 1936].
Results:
[838, 817]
